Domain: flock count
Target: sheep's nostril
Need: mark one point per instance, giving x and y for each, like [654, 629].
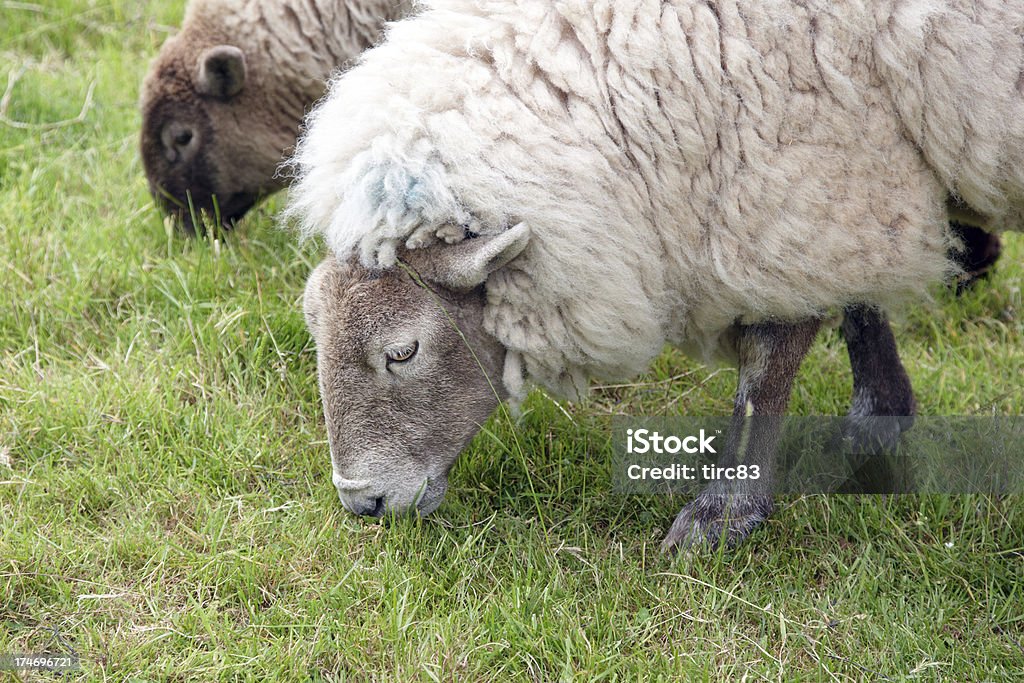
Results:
[369, 507]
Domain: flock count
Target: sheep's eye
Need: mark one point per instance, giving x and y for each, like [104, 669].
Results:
[403, 353]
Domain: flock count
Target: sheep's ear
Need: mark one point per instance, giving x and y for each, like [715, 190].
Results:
[312, 297]
[324, 286]
[221, 71]
[467, 264]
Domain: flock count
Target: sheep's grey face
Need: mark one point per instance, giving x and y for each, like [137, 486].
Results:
[204, 145]
[403, 391]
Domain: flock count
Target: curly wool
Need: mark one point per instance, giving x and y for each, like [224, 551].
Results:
[302, 41]
[683, 165]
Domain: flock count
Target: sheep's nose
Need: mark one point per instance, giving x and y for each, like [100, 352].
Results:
[364, 507]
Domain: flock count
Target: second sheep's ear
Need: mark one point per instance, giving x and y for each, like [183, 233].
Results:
[221, 71]
[467, 264]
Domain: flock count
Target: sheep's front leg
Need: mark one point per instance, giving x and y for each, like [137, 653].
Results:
[727, 511]
[883, 399]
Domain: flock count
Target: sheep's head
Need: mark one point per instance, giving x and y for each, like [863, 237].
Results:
[407, 372]
[207, 143]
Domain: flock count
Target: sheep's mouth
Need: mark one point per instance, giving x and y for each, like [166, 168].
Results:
[198, 213]
[236, 207]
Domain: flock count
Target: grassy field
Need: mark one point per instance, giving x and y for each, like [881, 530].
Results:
[165, 495]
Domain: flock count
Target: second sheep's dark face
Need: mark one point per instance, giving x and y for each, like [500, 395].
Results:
[202, 151]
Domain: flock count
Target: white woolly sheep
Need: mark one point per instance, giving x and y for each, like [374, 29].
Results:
[223, 102]
[714, 174]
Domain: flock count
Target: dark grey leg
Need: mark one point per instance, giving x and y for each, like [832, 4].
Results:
[726, 511]
[980, 253]
[883, 399]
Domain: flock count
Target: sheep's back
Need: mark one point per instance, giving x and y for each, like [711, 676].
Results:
[954, 71]
[752, 141]
[683, 166]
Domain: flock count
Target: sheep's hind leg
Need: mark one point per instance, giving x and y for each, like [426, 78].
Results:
[883, 400]
[979, 255]
[728, 510]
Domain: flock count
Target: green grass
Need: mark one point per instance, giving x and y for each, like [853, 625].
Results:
[165, 496]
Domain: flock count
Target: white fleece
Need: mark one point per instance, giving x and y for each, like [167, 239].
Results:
[684, 165]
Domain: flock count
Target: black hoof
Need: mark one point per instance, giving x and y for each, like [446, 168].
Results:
[714, 520]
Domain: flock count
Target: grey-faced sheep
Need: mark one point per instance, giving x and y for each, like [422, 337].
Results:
[223, 102]
[569, 185]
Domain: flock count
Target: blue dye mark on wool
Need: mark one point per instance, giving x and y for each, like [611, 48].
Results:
[400, 196]
[394, 187]
[376, 187]
[416, 193]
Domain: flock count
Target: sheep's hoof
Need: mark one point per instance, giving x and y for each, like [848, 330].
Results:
[874, 434]
[714, 520]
